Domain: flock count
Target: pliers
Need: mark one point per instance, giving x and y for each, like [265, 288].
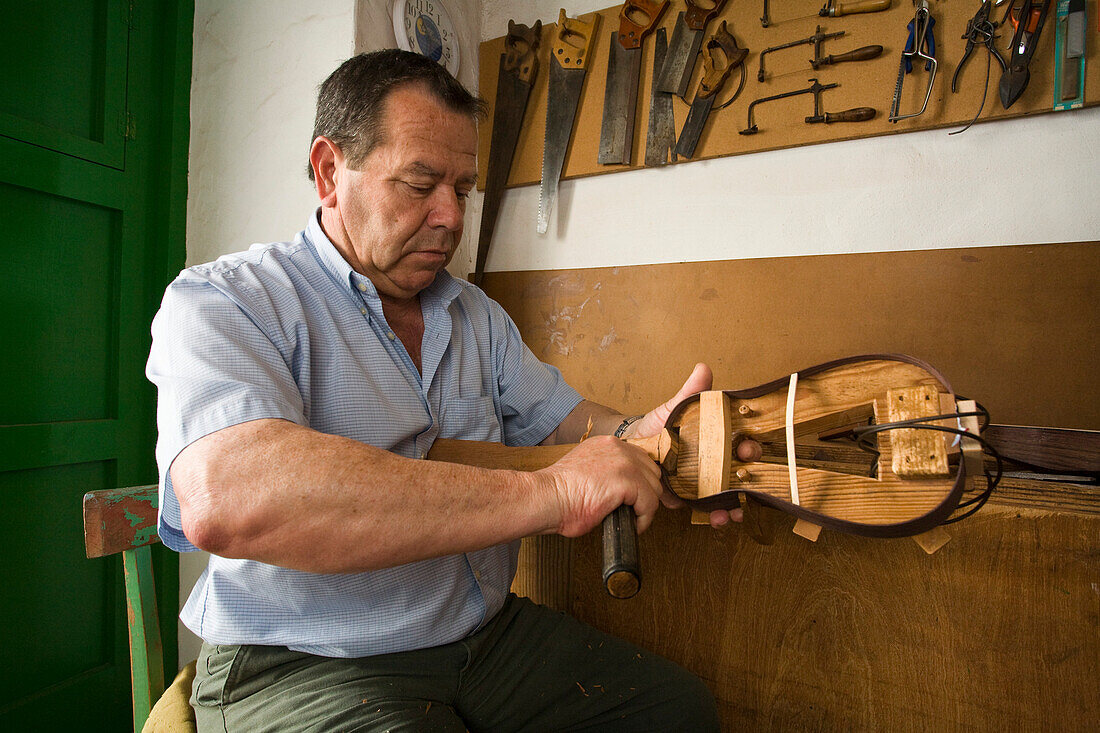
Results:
[913, 48]
[979, 29]
[1014, 80]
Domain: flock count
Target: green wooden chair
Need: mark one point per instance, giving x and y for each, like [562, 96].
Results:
[125, 521]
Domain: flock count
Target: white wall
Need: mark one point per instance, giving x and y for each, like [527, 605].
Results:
[922, 190]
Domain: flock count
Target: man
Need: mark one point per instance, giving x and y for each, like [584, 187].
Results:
[351, 584]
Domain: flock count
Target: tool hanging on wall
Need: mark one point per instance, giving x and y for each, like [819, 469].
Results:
[661, 136]
[856, 114]
[863, 53]
[980, 30]
[519, 64]
[834, 9]
[683, 49]
[570, 52]
[1069, 54]
[721, 56]
[636, 19]
[921, 45]
[1029, 25]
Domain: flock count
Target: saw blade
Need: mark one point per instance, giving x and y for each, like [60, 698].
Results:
[511, 103]
[619, 104]
[693, 126]
[661, 138]
[561, 109]
[683, 49]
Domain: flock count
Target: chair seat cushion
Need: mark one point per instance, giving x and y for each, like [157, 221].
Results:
[173, 713]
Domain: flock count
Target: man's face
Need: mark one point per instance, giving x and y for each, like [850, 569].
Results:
[402, 210]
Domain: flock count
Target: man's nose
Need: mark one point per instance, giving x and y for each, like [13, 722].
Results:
[448, 209]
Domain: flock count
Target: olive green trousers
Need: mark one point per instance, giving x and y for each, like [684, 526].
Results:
[529, 669]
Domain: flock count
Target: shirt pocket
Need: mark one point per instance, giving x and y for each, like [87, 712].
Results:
[470, 418]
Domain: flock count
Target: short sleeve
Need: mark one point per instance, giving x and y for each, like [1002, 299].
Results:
[214, 367]
[534, 397]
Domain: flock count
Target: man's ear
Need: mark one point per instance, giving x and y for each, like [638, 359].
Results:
[326, 158]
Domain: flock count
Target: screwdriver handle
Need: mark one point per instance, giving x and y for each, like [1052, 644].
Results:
[835, 10]
[622, 569]
[856, 114]
[864, 53]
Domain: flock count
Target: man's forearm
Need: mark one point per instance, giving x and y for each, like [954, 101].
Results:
[604, 421]
[273, 491]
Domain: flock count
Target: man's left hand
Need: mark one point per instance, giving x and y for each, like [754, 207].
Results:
[653, 422]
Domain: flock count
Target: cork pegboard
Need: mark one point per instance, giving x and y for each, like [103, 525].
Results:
[862, 84]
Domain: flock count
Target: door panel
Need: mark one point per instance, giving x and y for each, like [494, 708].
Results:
[89, 211]
[62, 300]
[66, 85]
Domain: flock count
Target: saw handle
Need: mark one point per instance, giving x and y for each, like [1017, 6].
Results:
[636, 19]
[572, 44]
[699, 12]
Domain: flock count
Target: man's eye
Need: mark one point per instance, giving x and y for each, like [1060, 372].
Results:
[419, 188]
[462, 195]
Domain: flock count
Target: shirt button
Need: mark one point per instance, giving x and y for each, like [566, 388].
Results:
[363, 311]
[390, 336]
[362, 287]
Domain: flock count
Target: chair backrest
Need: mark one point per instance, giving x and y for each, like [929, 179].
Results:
[125, 521]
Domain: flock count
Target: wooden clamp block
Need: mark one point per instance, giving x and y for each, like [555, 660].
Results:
[915, 453]
[809, 530]
[715, 443]
[971, 449]
[715, 447]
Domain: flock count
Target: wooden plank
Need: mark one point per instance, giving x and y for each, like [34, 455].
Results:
[995, 631]
[119, 519]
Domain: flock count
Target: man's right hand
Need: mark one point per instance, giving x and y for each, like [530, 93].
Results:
[598, 476]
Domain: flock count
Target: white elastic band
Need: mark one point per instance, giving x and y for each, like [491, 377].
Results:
[792, 467]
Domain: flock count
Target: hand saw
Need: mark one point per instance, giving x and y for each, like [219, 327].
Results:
[687, 39]
[725, 449]
[570, 52]
[722, 56]
[519, 64]
[636, 19]
[660, 141]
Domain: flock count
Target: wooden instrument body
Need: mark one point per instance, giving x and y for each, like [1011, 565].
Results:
[828, 398]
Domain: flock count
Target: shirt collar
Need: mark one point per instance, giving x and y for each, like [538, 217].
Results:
[445, 288]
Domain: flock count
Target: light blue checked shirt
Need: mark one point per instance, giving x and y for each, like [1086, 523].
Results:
[289, 330]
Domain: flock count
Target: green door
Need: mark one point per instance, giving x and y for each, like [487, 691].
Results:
[93, 141]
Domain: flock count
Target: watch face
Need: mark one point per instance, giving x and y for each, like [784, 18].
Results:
[425, 27]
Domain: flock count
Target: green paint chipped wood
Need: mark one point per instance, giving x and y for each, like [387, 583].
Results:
[125, 521]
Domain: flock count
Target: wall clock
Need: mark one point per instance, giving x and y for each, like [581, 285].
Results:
[425, 27]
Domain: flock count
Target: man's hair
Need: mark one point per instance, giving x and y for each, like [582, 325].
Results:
[351, 103]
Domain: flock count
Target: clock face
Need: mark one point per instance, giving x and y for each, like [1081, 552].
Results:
[425, 27]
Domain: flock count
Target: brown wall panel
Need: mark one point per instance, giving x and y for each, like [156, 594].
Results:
[1000, 629]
